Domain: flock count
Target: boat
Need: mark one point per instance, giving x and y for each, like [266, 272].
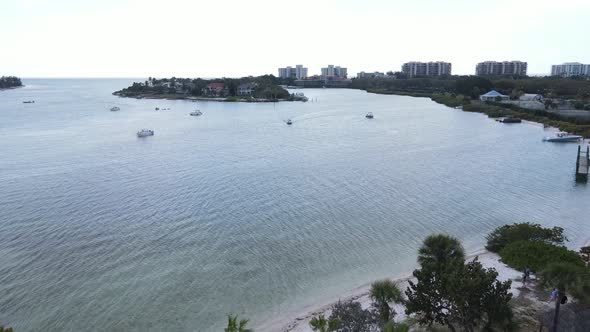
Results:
[510, 119]
[157, 108]
[145, 132]
[369, 115]
[114, 109]
[196, 113]
[562, 136]
[28, 102]
[289, 122]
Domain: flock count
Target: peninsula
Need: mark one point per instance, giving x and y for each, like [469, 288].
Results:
[554, 101]
[265, 88]
[10, 82]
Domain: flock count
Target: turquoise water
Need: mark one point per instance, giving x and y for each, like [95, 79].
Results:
[236, 212]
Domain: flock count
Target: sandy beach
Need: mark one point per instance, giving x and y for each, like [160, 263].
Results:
[300, 322]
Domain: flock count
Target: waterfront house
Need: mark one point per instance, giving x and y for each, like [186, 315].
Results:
[494, 96]
[246, 89]
[215, 89]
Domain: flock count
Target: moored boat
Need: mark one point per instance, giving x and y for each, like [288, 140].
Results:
[115, 109]
[289, 122]
[28, 102]
[369, 115]
[562, 136]
[145, 132]
[196, 113]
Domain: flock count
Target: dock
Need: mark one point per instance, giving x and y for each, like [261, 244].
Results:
[582, 163]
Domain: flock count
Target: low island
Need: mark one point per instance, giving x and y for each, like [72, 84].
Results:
[265, 88]
[10, 82]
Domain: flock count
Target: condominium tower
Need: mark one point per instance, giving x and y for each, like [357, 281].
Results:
[299, 72]
[570, 69]
[438, 68]
[501, 68]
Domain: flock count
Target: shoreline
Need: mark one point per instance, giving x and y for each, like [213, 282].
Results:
[13, 87]
[495, 110]
[299, 322]
[193, 98]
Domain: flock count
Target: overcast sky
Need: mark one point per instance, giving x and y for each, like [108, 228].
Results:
[192, 38]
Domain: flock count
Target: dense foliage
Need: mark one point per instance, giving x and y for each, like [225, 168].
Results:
[9, 82]
[536, 255]
[504, 235]
[454, 294]
[267, 87]
[383, 293]
[350, 316]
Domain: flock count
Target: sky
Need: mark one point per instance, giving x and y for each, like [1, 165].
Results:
[234, 38]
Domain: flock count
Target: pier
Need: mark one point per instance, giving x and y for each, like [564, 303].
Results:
[582, 163]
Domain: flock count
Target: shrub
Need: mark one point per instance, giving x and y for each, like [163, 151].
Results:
[507, 234]
[350, 316]
[537, 255]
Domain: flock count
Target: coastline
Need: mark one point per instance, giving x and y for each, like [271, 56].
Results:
[12, 87]
[193, 98]
[300, 321]
[497, 110]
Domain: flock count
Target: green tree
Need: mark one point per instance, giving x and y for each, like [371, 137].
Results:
[383, 293]
[565, 277]
[537, 255]
[350, 316]
[234, 326]
[321, 324]
[454, 294]
[506, 234]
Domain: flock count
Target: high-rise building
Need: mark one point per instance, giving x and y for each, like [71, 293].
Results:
[299, 72]
[438, 68]
[501, 68]
[334, 72]
[570, 69]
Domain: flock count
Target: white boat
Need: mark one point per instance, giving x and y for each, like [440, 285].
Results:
[196, 113]
[114, 109]
[145, 132]
[289, 122]
[369, 115]
[562, 136]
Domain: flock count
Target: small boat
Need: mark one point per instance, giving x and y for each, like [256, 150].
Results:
[510, 119]
[28, 102]
[562, 136]
[289, 122]
[369, 115]
[157, 108]
[196, 113]
[115, 109]
[145, 132]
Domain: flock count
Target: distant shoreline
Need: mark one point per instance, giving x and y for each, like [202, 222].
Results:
[12, 87]
[194, 98]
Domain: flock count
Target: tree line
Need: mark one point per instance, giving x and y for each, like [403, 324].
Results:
[9, 82]
[474, 86]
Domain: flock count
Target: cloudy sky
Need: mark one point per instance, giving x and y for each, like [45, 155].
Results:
[191, 38]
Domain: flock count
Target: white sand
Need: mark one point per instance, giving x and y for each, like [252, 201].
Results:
[300, 322]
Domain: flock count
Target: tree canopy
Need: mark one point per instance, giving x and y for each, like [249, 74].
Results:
[9, 82]
[502, 236]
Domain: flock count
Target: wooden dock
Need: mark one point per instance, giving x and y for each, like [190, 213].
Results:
[582, 163]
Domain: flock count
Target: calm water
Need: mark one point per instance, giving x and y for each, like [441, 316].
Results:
[236, 212]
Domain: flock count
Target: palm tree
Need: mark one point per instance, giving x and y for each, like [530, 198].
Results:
[440, 249]
[320, 324]
[382, 293]
[564, 277]
[234, 326]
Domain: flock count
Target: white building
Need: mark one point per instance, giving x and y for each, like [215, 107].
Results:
[376, 74]
[437, 68]
[570, 69]
[501, 68]
[334, 71]
[298, 72]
